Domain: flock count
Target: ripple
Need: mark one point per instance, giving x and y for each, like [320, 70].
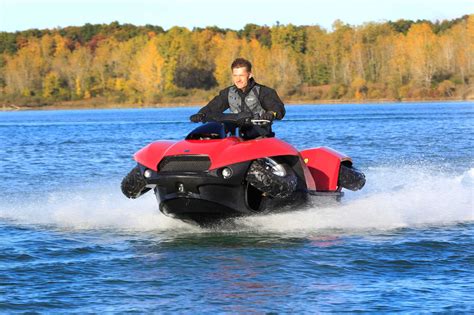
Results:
[71, 243]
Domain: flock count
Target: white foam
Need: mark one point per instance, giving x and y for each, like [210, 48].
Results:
[104, 207]
[393, 198]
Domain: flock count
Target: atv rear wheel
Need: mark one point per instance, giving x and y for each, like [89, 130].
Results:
[351, 178]
[134, 184]
[274, 179]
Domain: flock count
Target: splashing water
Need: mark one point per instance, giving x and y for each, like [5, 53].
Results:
[392, 198]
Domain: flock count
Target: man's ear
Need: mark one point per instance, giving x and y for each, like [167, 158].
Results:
[250, 75]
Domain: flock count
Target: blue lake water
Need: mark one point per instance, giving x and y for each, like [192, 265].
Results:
[70, 242]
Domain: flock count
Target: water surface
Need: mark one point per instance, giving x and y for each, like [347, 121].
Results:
[70, 242]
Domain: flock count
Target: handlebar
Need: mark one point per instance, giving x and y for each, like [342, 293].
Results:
[239, 119]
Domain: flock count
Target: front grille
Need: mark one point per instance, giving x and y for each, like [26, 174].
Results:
[184, 163]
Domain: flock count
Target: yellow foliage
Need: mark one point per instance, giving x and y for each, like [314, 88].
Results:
[78, 90]
[61, 48]
[285, 77]
[358, 83]
[148, 65]
[398, 62]
[24, 71]
[147, 75]
[260, 57]
[360, 88]
[51, 85]
[422, 48]
[120, 84]
[227, 50]
[76, 68]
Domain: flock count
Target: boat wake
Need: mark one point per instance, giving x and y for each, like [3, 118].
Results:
[392, 198]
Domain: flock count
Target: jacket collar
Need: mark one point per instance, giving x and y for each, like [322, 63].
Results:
[248, 88]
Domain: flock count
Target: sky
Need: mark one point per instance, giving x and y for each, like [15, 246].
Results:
[17, 15]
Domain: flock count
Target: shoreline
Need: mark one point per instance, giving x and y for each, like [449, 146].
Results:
[80, 105]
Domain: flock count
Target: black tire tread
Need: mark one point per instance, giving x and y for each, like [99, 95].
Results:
[261, 177]
[351, 178]
[133, 184]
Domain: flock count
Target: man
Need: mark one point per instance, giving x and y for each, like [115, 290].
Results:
[245, 96]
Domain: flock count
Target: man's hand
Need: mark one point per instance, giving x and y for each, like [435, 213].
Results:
[268, 116]
[199, 117]
[244, 118]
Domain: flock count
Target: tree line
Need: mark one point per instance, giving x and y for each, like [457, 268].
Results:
[123, 63]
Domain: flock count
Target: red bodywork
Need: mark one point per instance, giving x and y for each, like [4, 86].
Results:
[324, 164]
[320, 166]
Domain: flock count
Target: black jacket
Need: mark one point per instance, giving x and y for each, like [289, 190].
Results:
[267, 96]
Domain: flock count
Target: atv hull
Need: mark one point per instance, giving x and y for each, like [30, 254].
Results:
[208, 180]
[205, 197]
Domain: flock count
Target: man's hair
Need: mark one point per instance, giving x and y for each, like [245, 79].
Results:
[240, 63]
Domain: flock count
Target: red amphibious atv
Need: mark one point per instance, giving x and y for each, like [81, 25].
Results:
[228, 167]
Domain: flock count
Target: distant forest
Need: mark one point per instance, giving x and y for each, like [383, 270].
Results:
[122, 63]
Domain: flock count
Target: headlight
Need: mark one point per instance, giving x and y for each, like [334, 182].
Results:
[147, 173]
[226, 172]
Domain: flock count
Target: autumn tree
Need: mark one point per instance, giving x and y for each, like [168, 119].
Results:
[126, 63]
[78, 73]
[24, 71]
[422, 49]
[147, 75]
[228, 48]
[317, 58]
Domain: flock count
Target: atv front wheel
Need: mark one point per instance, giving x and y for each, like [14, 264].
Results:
[274, 179]
[134, 184]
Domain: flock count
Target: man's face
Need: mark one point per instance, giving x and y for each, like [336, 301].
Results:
[240, 77]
